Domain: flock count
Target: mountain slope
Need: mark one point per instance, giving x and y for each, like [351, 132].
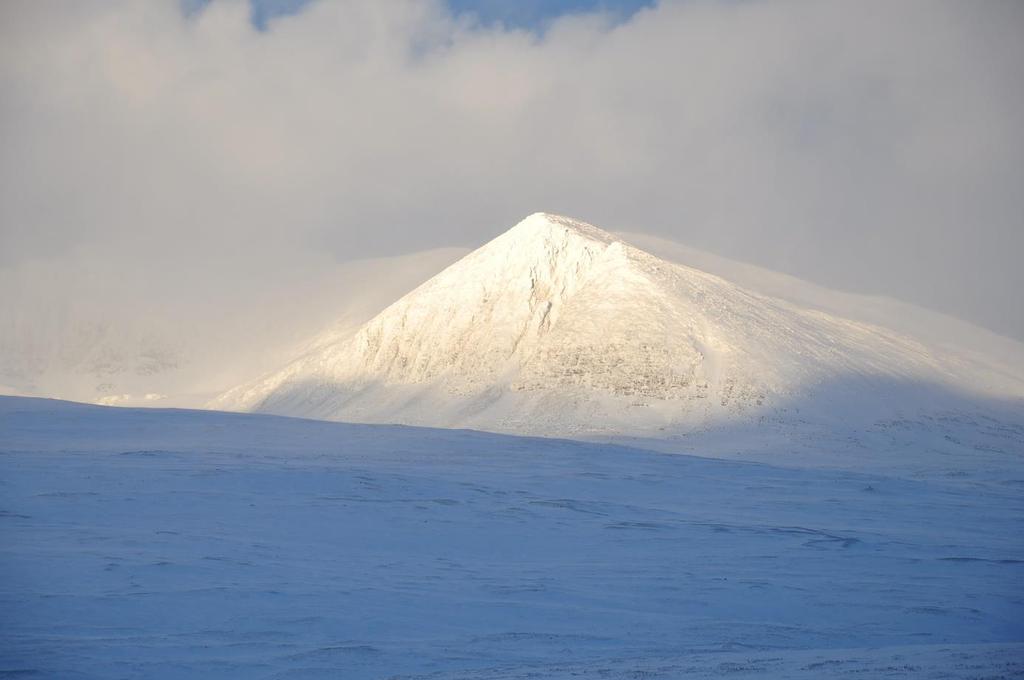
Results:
[558, 327]
[108, 343]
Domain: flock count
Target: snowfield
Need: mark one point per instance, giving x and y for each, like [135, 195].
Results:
[182, 544]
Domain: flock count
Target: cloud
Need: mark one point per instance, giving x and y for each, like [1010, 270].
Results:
[874, 147]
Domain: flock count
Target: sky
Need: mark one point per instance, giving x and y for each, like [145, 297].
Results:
[198, 151]
[523, 14]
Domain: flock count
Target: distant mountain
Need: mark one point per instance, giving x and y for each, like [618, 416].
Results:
[558, 327]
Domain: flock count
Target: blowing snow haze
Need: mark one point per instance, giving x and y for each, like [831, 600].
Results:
[194, 182]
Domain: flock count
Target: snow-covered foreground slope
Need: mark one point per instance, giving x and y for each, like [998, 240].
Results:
[557, 327]
[181, 544]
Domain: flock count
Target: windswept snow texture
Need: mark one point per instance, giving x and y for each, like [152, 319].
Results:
[559, 328]
[179, 544]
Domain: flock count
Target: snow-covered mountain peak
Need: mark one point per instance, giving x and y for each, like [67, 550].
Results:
[549, 254]
[554, 228]
[559, 327]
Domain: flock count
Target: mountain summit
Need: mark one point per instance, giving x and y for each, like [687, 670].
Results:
[558, 327]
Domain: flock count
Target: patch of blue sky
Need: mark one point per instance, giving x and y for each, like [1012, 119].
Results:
[535, 14]
[520, 14]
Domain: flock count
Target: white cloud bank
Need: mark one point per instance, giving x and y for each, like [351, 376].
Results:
[873, 146]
